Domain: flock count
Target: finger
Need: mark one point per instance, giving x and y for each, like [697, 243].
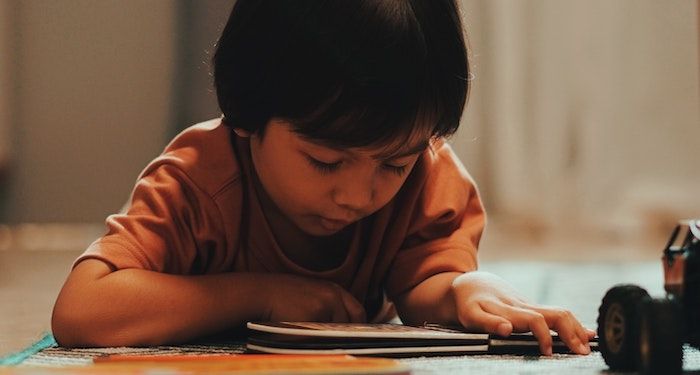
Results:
[524, 320]
[583, 336]
[474, 317]
[590, 336]
[540, 330]
[354, 309]
[580, 341]
[339, 313]
[570, 330]
[591, 333]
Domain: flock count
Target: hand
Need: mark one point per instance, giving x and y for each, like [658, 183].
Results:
[296, 298]
[486, 302]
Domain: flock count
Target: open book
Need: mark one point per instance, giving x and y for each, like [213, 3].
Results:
[393, 340]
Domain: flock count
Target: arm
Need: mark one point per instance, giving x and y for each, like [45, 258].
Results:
[484, 302]
[430, 301]
[434, 277]
[98, 307]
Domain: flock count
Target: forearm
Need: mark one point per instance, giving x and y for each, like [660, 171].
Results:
[430, 301]
[139, 307]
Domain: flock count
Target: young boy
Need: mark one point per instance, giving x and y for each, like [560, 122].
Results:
[325, 193]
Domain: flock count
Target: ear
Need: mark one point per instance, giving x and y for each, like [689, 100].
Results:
[241, 132]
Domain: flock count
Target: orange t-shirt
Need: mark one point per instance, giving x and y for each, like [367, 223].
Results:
[194, 210]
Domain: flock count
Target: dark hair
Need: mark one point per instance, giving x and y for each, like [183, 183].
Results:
[348, 73]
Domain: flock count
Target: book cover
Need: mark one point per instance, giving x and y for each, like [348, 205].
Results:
[385, 339]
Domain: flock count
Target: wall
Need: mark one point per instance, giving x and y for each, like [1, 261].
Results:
[200, 23]
[6, 83]
[585, 115]
[92, 104]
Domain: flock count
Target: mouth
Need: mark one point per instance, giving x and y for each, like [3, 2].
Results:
[334, 224]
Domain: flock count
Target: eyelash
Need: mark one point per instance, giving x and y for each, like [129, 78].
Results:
[399, 171]
[326, 168]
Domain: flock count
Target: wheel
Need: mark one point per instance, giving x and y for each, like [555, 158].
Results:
[618, 326]
[660, 337]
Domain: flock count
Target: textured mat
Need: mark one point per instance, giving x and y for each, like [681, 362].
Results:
[45, 353]
[14, 359]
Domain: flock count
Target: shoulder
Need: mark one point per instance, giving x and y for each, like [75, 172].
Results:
[440, 166]
[440, 154]
[203, 153]
[439, 187]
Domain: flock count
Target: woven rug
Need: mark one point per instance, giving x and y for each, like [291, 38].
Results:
[46, 353]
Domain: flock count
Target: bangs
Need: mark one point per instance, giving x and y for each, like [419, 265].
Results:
[342, 125]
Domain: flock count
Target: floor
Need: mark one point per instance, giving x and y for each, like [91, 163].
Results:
[551, 271]
[29, 284]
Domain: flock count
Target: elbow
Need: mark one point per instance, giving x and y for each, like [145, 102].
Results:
[66, 330]
[81, 316]
[75, 325]
[72, 327]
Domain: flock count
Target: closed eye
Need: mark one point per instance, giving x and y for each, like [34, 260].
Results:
[326, 168]
[399, 170]
[323, 167]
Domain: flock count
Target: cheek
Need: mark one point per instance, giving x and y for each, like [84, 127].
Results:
[386, 189]
[392, 184]
[295, 187]
[306, 190]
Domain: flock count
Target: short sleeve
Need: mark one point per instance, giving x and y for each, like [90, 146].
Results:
[170, 226]
[446, 224]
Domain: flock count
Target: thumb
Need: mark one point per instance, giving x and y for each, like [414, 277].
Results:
[504, 329]
[476, 318]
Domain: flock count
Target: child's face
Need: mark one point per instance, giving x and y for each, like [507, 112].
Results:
[323, 189]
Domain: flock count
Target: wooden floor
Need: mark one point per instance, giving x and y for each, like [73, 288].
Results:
[29, 283]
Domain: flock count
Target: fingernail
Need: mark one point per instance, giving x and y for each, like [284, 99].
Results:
[548, 351]
[504, 329]
[584, 349]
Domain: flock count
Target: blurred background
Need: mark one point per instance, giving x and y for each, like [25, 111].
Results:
[582, 129]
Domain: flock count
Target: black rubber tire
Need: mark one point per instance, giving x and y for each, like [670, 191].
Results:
[660, 337]
[618, 326]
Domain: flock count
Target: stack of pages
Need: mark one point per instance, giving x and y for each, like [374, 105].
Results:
[392, 340]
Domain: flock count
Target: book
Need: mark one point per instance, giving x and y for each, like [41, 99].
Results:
[387, 340]
[251, 364]
[268, 364]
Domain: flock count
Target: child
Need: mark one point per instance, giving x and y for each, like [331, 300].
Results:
[325, 193]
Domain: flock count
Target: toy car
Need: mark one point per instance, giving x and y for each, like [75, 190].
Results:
[638, 332]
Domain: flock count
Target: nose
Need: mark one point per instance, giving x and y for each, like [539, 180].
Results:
[356, 193]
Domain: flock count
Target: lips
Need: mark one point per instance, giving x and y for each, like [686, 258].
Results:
[334, 224]
[337, 221]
